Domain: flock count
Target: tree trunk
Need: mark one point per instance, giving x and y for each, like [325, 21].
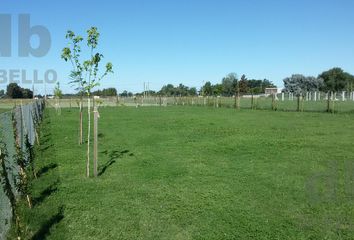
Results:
[252, 103]
[333, 99]
[95, 141]
[80, 123]
[88, 137]
[298, 104]
[238, 98]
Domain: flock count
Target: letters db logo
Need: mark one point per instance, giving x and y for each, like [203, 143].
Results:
[25, 33]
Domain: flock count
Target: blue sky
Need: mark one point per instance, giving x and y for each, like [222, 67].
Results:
[193, 41]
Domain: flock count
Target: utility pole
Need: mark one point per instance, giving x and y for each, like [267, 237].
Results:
[148, 89]
[144, 93]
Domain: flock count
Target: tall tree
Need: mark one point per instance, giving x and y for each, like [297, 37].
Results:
[13, 90]
[207, 89]
[244, 84]
[228, 84]
[299, 84]
[335, 80]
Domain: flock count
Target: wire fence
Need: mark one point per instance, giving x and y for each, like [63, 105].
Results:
[310, 102]
[18, 132]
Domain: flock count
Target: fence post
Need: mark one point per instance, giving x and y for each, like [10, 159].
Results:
[252, 101]
[273, 102]
[81, 132]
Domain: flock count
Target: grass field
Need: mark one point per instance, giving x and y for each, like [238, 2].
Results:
[196, 173]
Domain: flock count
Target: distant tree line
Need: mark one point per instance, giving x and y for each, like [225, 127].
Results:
[106, 92]
[331, 81]
[125, 93]
[231, 84]
[180, 90]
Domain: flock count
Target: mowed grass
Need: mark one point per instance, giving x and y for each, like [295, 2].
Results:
[196, 173]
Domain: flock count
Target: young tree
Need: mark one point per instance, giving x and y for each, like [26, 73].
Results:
[72, 54]
[85, 74]
[58, 95]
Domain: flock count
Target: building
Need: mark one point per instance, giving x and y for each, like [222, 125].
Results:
[270, 91]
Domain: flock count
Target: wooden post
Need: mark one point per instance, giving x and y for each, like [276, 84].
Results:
[95, 140]
[273, 102]
[252, 101]
[37, 137]
[333, 97]
[238, 95]
[81, 133]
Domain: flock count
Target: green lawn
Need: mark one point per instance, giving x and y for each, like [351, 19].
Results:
[197, 173]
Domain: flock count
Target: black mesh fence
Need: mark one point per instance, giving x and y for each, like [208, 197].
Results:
[18, 132]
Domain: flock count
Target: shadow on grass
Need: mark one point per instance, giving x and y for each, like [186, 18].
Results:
[45, 148]
[44, 230]
[46, 193]
[113, 157]
[46, 169]
[45, 140]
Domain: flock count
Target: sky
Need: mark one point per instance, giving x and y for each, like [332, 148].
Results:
[188, 41]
